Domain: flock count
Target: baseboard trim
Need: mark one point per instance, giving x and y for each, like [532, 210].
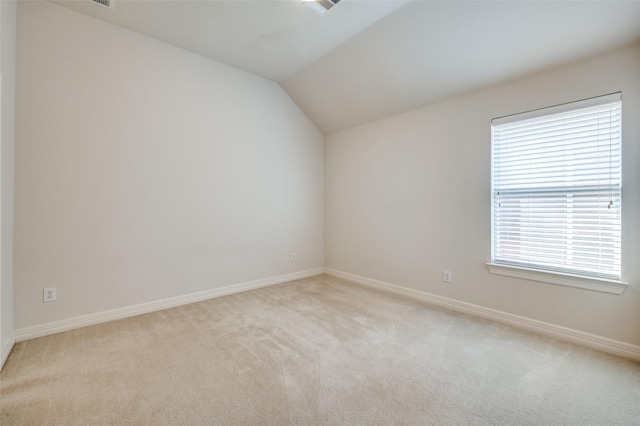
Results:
[604, 344]
[55, 327]
[6, 350]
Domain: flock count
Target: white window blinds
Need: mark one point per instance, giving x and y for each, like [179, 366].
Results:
[556, 185]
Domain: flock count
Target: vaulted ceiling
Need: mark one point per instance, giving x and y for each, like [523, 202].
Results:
[367, 59]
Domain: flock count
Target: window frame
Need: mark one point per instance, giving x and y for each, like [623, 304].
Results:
[530, 272]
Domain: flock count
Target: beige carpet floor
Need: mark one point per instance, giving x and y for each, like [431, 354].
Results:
[318, 351]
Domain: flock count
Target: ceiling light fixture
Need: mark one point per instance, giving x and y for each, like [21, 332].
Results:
[320, 6]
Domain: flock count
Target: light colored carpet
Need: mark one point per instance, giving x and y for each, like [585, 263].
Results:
[314, 351]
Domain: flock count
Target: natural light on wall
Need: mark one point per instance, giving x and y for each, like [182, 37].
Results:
[556, 188]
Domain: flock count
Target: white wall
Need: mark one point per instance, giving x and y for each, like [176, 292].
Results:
[409, 196]
[7, 129]
[145, 172]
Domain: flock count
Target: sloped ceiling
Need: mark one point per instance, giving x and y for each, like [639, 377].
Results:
[368, 59]
[270, 38]
[429, 51]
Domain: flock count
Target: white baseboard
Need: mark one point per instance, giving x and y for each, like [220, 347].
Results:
[604, 344]
[6, 350]
[55, 327]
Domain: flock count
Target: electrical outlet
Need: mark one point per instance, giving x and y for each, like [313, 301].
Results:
[49, 294]
[447, 276]
[294, 257]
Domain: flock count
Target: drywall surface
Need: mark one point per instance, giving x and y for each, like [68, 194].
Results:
[409, 196]
[145, 172]
[7, 113]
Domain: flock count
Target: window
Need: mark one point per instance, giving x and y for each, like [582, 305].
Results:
[556, 189]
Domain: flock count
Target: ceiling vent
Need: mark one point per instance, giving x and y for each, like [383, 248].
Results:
[320, 6]
[106, 3]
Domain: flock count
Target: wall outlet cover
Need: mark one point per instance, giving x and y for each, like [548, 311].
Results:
[49, 294]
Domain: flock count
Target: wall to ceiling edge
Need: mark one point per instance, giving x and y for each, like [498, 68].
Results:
[408, 196]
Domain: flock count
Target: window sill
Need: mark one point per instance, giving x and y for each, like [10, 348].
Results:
[597, 284]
